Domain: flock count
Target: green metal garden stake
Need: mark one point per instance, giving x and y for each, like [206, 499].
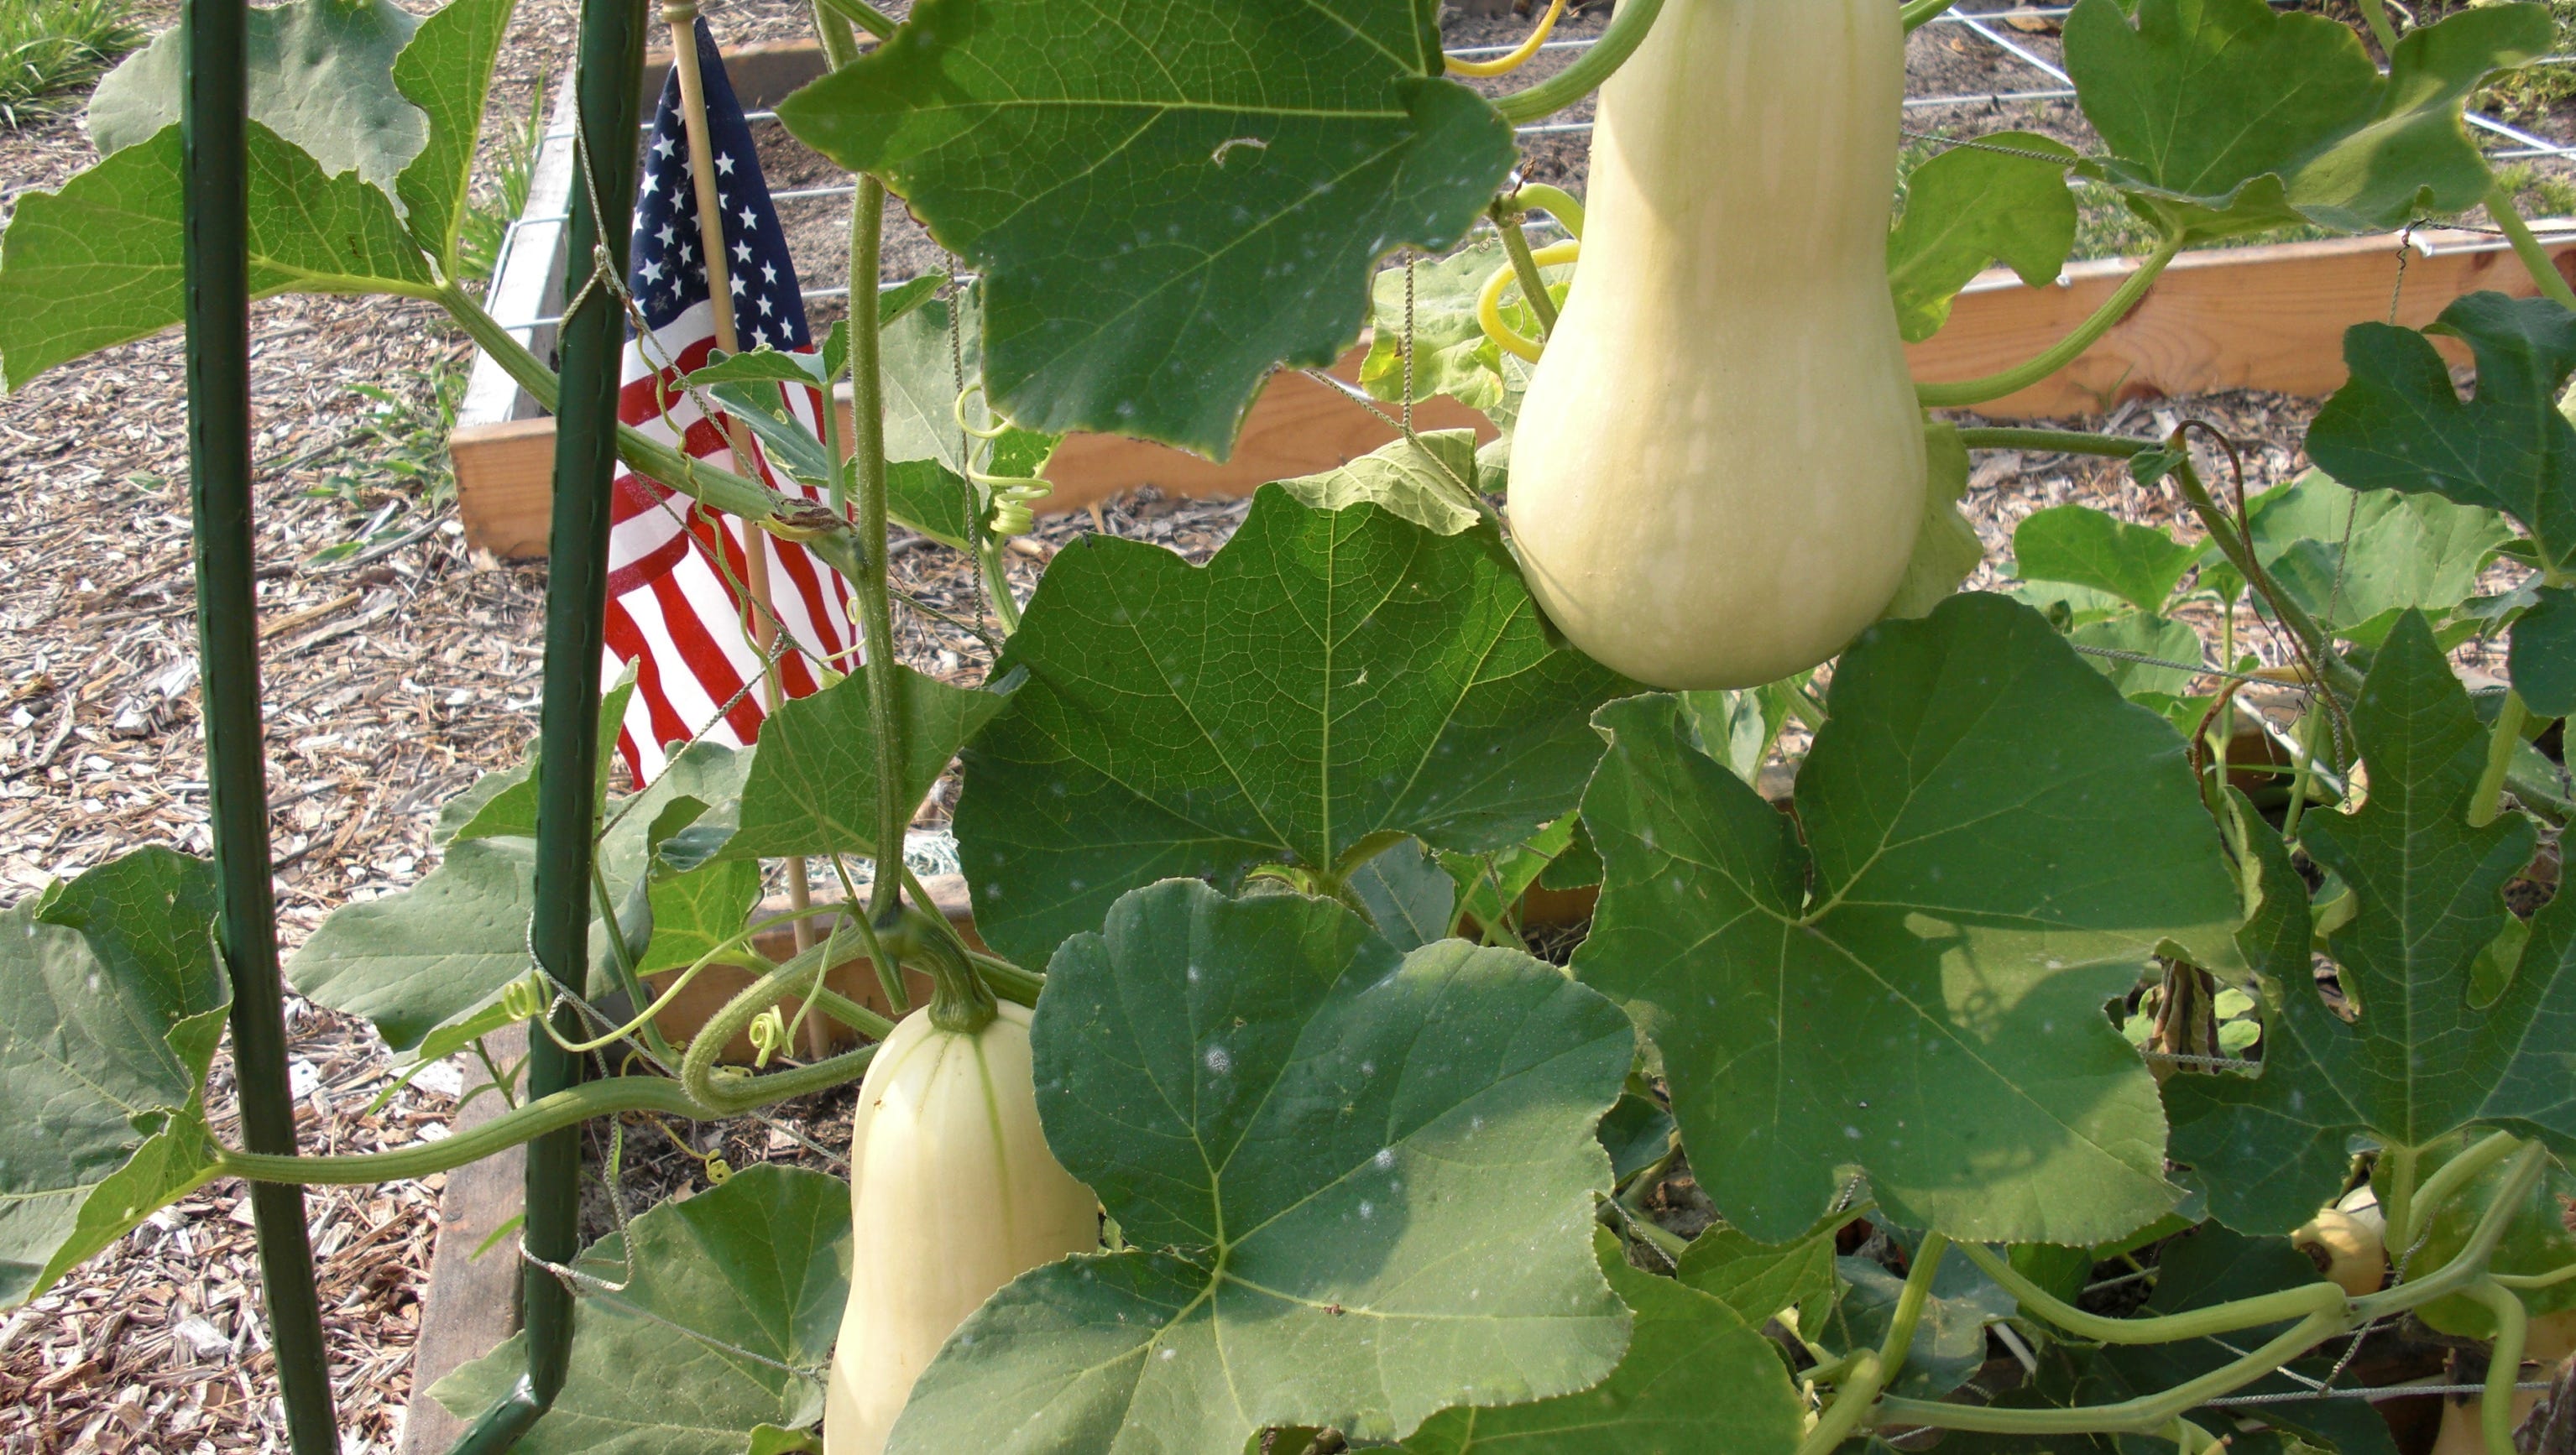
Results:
[593, 340]
[217, 280]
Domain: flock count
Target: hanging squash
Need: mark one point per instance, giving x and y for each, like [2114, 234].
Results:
[1718, 472]
[954, 1193]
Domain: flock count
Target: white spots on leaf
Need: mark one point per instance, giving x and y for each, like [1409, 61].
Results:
[1218, 1060]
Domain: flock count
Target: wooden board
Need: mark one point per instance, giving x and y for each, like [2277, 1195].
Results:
[2251, 318]
[505, 471]
[472, 1303]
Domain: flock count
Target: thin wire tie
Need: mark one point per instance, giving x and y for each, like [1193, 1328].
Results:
[599, 1290]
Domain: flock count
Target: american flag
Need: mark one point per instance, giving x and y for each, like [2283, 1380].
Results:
[679, 586]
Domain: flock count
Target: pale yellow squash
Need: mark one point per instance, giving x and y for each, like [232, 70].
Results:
[954, 1194]
[1718, 474]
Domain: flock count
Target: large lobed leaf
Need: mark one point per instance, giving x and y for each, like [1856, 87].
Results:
[1357, 1188]
[1331, 680]
[98, 263]
[682, 1359]
[2418, 1063]
[112, 1001]
[2227, 116]
[1167, 199]
[1993, 846]
[812, 787]
[2000, 196]
[428, 965]
[1699, 1376]
[362, 128]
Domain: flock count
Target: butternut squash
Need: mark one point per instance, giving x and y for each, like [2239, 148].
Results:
[955, 1194]
[1719, 471]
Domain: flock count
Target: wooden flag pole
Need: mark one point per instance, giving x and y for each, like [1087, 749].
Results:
[683, 18]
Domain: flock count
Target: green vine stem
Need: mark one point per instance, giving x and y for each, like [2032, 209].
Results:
[1856, 1395]
[1556, 202]
[2052, 441]
[2488, 801]
[1923, 12]
[605, 1098]
[1866, 1375]
[2470, 1264]
[808, 522]
[876, 613]
[2309, 1300]
[960, 1002]
[2408, 1223]
[863, 15]
[621, 957]
[2535, 258]
[2145, 1415]
[2504, 1364]
[1628, 26]
[2527, 1281]
[1524, 267]
[2375, 14]
[727, 1093]
[1965, 393]
[2339, 674]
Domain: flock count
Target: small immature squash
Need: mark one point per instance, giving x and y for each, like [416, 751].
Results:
[1718, 473]
[955, 1194]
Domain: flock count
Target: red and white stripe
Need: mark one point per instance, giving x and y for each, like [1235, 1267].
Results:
[678, 603]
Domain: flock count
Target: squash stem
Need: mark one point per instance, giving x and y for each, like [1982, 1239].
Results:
[1556, 202]
[876, 618]
[1964, 393]
[863, 15]
[2375, 14]
[2535, 258]
[2504, 1364]
[2053, 441]
[2488, 801]
[1525, 267]
[1627, 29]
[1922, 12]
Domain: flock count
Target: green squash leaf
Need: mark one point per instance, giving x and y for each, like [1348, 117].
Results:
[2147, 636]
[1167, 214]
[324, 76]
[1698, 1377]
[98, 263]
[1758, 1280]
[2543, 660]
[2226, 116]
[1946, 549]
[2418, 1064]
[1994, 197]
[1426, 484]
[428, 964]
[812, 789]
[2082, 546]
[2398, 424]
[112, 1001]
[759, 1263]
[446, 71]
[1994, 845]
[1427, 1245]
[1451, 354]
[1950, 1342]
[1329, 680]
[1407, 895]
